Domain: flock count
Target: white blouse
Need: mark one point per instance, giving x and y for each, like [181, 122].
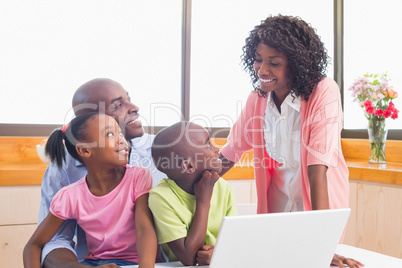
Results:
[282, 142]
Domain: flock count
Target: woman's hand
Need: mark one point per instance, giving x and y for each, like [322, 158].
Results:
[339, 261]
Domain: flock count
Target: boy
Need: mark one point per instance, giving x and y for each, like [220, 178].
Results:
[189, 205]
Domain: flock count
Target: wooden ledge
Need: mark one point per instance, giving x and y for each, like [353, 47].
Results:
[20, 165]
[22, 173]
[356, 153]
[390, 173]
[19, 162]
[240, 172]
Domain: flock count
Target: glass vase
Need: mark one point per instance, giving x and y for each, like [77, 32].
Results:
[377, 132]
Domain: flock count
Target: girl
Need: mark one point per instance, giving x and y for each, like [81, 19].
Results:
[110, 203]
[292, 121]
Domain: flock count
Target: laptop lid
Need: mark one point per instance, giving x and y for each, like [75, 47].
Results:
[291, 239]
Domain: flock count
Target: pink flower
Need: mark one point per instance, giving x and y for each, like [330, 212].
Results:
[391, 106]
[387, 113]
[367, 103]
[373, 93]
[378, 112]
[380, 96]
[370, 109]
[384, 82]
[395, 114]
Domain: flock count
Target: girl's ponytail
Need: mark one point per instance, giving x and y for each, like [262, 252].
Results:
[55, 147]
[67, 137]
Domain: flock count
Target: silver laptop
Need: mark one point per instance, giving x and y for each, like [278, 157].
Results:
[288, 240]
[294, 239]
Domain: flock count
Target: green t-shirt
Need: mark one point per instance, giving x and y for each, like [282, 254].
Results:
[173, 210]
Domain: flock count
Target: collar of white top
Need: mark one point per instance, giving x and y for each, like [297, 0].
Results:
[295, 102]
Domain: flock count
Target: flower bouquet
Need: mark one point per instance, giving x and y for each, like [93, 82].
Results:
[375, 96]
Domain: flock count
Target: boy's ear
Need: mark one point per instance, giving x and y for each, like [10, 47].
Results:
[187, 166]
[83, 150]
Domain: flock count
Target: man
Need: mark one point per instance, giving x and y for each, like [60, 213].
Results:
[109, 97]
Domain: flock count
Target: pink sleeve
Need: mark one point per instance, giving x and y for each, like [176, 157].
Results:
[239, 139]
[325, 124]
[142, 182]
[60, 206]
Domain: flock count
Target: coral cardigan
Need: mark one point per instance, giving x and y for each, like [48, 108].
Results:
[320, 143]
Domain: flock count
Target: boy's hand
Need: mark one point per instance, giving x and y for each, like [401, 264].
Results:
[204, 255]
[204, 187]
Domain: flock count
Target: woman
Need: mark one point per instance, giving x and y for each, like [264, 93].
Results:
[292, 120]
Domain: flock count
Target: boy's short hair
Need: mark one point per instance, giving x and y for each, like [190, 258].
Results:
[171, 146]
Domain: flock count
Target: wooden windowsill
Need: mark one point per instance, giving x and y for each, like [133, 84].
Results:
[22, 173]
[19, 164]
[356, 153]
[390, 173]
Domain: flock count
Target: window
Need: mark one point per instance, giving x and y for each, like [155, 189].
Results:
[219, 85]
[50, 48]
[371, 45]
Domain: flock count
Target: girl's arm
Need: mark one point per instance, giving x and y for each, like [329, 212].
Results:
[317, 175]
[45, 231]
[145, 233]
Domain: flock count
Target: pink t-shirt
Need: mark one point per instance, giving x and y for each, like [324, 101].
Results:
[108, 220]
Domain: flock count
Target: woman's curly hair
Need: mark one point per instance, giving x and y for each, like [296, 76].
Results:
[307, 56]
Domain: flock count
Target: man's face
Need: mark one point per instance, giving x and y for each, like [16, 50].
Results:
[113, 100]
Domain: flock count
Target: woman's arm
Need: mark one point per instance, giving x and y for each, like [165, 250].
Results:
[45, 231]
[319, 200]
[317, 175]
[145, 233]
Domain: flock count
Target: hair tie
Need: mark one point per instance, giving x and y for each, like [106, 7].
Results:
[64, 128]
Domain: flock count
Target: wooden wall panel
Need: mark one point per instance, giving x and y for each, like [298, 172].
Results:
[350, 230]
[12, 240]
[378, 219]
[19, 204]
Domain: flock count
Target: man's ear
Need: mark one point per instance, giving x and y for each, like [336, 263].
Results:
[187, 166]
[83, 150]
